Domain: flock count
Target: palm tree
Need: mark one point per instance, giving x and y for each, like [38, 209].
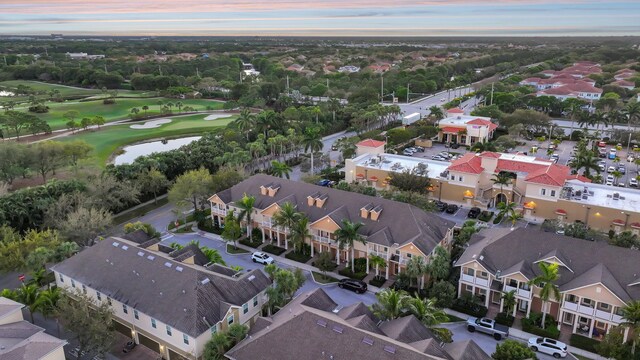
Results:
[586, 160]
[245, 121]
[213, 255]
[38, 276]
[38, 258]
[300, 233]
[514, 217]
[346, 236]
[378, 262]
[274, 298]
[246, 211]
[8, 293]
[631, 315]
[288, 217]
[506, 209]
[549, 274]
[426, 311]
[391, 304]
[312, 142]
[66, 250]
[217, 346]
[416, 269]
[47, 301]
[617, 175]
[508, 301]
[145, 108]
[502, 178]
[436, 112]
[237, 332]
[28, 295]
[632, 111]
[280, 169]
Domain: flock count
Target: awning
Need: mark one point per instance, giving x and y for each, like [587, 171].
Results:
[561, 212]
[618, 222]
[451, 130]
[635, 225]
[359, 176]
[373, 178]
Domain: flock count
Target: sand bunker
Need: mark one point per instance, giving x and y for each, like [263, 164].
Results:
[151, 124]
[217, 116]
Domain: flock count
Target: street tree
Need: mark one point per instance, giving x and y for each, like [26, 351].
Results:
[246, 212]
[546, 281]
[193, 186]
[346, 237]
[153, 181]
[513, 350]
[232, 231]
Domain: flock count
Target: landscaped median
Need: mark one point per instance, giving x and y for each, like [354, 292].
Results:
[323, 279]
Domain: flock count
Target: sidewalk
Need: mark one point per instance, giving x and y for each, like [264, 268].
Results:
[288, 262]
[521, 335]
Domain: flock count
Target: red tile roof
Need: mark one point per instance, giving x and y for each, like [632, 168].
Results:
[579, 177]
[469, 163]
[490, 154]
[455, 111]
[554, 175]
[519, 166]
[479, 121]
[451, 129]
[371, 143]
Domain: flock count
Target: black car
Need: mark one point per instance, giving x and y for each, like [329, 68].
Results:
[357, 286]
[451, 208]
[455, 145]
[474, 213]
[441, 206]
[334, 147]
[128, 346]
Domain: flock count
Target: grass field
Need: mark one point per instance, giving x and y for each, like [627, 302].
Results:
[119, 111]
[65, 91]
[107, 140]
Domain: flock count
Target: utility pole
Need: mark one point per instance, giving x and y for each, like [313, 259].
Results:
[327, 84]
[628, 144]
[197, 73]
[491, 94]
[105, 68]
[5, 61]
[381, 88]
[160, 69]
[287, 85]
[408, 92]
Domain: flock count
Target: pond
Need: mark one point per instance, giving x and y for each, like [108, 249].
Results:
[133, 152]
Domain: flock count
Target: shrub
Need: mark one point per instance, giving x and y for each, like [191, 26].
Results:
[469, 307]
[485, 216]
[303, 258]
[444, 292]
[254, 244]
[531, 326]
[207, 225]
[272, 249]
[505, 319]
[377, 281]
[138, 225]
[39, 109]
[498, 219]
[360, 265]
[256, 233]
[109, 101]
[584, 343]
[357, 275]
[513, 350]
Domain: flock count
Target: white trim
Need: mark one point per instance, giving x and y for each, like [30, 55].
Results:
[594, 284]
[558, 261]
[515, 272]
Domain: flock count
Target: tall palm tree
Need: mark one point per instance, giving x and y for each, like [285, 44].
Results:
[632, 111]
[436, 112]
[391, 304]
[245, 121]
[246, 212]
[506, 209]
[502, 178]
[300, 233]
[280, 169]
[312, 142]
[47, 301]
[377, 262]
[416, 269]
[288, 217]
[508, 301]
[346, 236]
[548, 276]
[617, 175]
[217, 346]
[585, 159]
[631, 315]
[213, 255]
[28, 295]
[514, 217]
[426, 311]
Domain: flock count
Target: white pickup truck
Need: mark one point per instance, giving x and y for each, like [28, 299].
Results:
[488, 326]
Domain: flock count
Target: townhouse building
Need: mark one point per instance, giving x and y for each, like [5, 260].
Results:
[313, 326]
[393, 230]
[169, 301]
[593, 288]
[22, 340]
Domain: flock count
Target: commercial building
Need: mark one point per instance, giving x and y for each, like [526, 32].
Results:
[465, 129]
[596, 279]
[170, 301]
[21, 340]
[314, 327]
[393, 230]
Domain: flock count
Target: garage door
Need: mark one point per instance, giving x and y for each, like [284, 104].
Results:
[175, 356]
[121, 328]
[143, 340]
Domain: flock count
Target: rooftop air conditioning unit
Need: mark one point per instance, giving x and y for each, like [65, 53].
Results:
[616, 196]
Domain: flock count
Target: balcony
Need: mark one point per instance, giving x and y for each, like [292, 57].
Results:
[617, 319]
[482, 282]
[467, 278]
[520, 292]
[383, 255]
[582, 309]
[324, 239]
[218, 211]
[570, 306]
[605, 315]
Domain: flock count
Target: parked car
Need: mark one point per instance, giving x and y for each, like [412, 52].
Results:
[357, 286]
[455, 145]
[262, 258]
[555, 348]
[611, 169]
[630, 158]
[488, 326]
[621, 184]
[442, 206]
[326, 182]
[334, 147]
[602, 167]
[438, 158]
[602, 144]
[129, 346]
[474, 213]
[633, 182]
[622, 169]
[612, 153]
[452, 208]
[419, 148]
[407, 152]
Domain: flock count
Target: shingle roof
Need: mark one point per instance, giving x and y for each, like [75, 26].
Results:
[466, 350]
[186, 297]
[199, 258]
[615, 267]
[8, 306]
[407, 329]
[399, 223]
[24, 341]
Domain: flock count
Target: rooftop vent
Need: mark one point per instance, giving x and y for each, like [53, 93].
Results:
[368, 341]
[179, 268]
[167, 264]
[205, 281]
[151, 257]
[338, 329]
[322, 323]
[116, 244]
[124, 247]
[390, 349]
[140, 253]
[251, 278]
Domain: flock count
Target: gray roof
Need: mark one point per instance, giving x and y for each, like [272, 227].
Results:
[8, 306]
[588, 262]
[302, 332]
[318, 299]
[399, 223]
[199, 258]
[186, 297]
[466, 350]
[24, 341]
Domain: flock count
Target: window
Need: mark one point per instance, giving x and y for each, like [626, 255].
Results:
[553, 193]
[98, 295]
[245, 308]
[469, 288]
[168, 330]
[513, 283]
[214, 329]
[460, 178]
[604, 306]
[543, 192]
[230, 319]
[483, 274]
[153, 323]
[124, 309]
[73, 284]
[84, 289]
[135, 314]
[61, 278]
[185, 339]
[469, 271]
[255, 301]
[109, 300]
[453, 177]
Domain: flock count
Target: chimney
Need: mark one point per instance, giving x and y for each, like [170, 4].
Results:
[375, 213]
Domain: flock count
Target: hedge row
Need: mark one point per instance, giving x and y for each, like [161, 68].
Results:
[530, 327]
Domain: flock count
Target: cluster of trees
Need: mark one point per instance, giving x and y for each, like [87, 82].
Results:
[14, 123]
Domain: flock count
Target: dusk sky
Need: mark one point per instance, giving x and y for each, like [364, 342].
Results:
[321, 17]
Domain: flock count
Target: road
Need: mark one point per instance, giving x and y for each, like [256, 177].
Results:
[422, 105]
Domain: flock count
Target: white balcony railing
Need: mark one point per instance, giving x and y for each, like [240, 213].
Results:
[383, 255]
[218, 211]
[570, 306]
[508, 288]
[603, 314]
[617, 318]
[323, 239]
[482, 282]
[524, 293]
[467, 278]
[585, 310]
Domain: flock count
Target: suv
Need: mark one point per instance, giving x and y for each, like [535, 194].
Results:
[442, 206]
[452, 208]
[262, 258]
[474, 213]
[633, 182]
[356, 286]
[552, 347]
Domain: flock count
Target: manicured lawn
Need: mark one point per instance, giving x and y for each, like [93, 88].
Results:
[108, 139]
[453, 318]
[580, 357]
[65, 91]
[233, 250]
[323, 279]
[121, 110]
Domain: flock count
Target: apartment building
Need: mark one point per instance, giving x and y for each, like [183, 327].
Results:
[169, 301]
[596, 279]
[313, 326]
[22, 340]
[393, 230]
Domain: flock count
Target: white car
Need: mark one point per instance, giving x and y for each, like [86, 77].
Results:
[262, 258]
[633, 182]
[602, 168]
[621, 184]
[611, 169]
[548, 346]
